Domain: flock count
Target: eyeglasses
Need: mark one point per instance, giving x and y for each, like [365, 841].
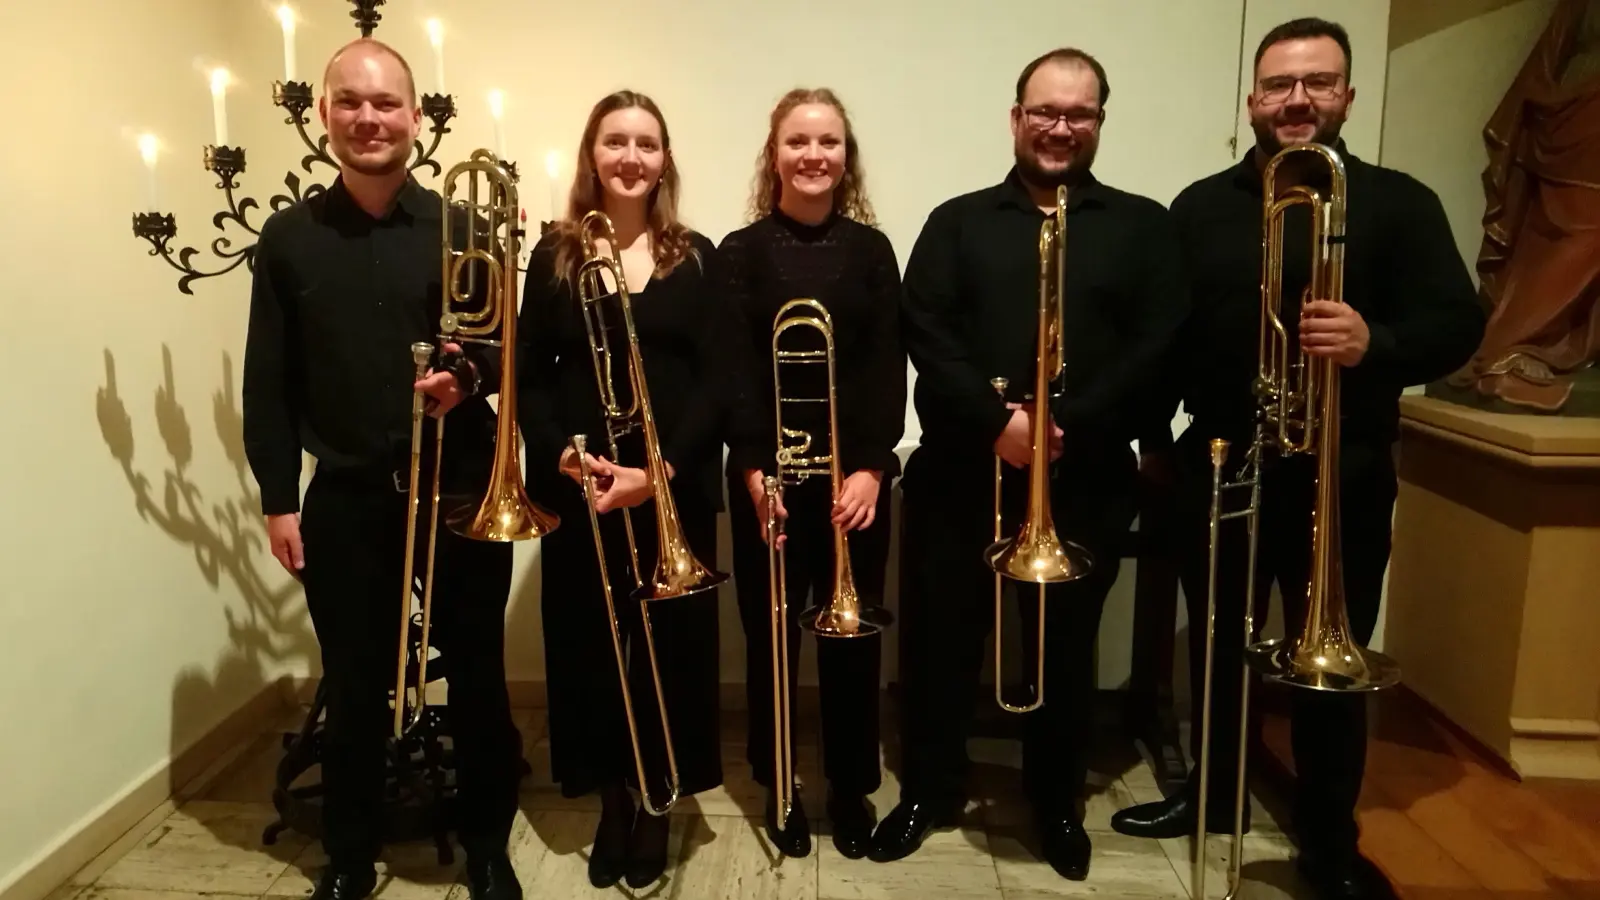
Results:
[1318, 85]
[1044, 118]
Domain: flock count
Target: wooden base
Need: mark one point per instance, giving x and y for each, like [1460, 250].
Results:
[1494, 585]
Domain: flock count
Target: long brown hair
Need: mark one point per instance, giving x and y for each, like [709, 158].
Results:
[669, 238]
[849, 195]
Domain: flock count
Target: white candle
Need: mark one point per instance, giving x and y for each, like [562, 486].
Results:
[286, 16]
[147, 149]
[552, 168]
[497, 112]
[436, 37]
[219, 106]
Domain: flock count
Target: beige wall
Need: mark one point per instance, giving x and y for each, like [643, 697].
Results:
[127, 462]
[136, 609]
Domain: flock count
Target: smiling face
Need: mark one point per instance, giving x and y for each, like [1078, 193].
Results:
[1055, 129]
[1301, 94]
[810, 152]
[369, 111]
[629, 153]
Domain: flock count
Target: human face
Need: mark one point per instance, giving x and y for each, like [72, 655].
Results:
[629, 155]
[368, 112]
[811, 150]
[1056, 128]
[1301, 95]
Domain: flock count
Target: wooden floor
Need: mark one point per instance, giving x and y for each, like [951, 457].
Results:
[1442, 823]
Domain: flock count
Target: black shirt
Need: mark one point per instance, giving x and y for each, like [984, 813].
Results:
[337, 300]
[851, 270]
[970, 313]
[682, 322]
[1402, 273]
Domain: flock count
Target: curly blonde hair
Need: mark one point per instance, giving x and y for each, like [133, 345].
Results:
[849, 196]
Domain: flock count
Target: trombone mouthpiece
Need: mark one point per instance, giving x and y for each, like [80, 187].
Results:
[1219, 452]
[421, 352]
[1000, 384]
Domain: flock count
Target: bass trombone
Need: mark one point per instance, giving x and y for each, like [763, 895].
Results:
[1297, 413]
[841, 614]
[677, 572]
[1036, 553]
[490, 244]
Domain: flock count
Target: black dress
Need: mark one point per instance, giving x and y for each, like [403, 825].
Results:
[676, 317]
[850, 269]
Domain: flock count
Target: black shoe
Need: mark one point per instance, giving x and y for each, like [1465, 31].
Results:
[647, 849]
[609, 855]
[852, 824]
[1066, 847]
[795, 838]
[1344, 876]
[1174, 817]
[492, 879]
[902, 831]
[345, 884]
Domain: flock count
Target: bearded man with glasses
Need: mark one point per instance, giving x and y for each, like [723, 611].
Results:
[1409, 316]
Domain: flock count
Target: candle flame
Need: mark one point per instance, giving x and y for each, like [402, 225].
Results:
[552, 164]
[148, 145]
[286, 16]
[219, 80]
[435, 33]
[497, 104]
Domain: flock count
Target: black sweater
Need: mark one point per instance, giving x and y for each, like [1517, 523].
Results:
[681, 321]
[850, 269]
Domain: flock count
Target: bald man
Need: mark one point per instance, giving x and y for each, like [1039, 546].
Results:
[345, 281]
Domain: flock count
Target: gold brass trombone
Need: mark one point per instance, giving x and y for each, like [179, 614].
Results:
[841, 614]
[1036, 554]
[677, 572]
[1297, 398]
[491, 242]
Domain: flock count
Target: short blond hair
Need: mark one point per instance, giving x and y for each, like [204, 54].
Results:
[375, 45]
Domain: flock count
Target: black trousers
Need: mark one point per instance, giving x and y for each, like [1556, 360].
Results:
[590, 747]
[847, 668]
[1329, 730]
[353, 528]
[947, 616]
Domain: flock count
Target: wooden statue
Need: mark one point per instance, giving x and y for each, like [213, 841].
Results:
[1539, 266]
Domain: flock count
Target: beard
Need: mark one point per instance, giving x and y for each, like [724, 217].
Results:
[1029, 167]
[1327, 133]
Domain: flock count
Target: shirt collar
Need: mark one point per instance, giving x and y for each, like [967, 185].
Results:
[1014, 194]
[411, 203]
[1247, 175]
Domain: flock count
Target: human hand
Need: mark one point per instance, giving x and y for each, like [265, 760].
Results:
[1015, 444]
[1334, 330]
[755, 483]
[857, 503]
[625, 488]
[283, 536]
[444, 392]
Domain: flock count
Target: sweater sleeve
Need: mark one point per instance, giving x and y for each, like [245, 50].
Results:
[885, 423]
[751, 423]
[701, 431]
[536, 359]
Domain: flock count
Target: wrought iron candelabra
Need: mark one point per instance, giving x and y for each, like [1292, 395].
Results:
[228, 163]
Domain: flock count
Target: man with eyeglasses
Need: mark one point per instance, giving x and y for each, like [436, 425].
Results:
[970, 315]
[1409, 316]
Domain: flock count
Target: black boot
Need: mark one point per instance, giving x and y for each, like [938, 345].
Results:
[609, 855]
[795, 838]
[492, 879]
[345, 883]
[1066, 846]
[647, 849]
[852, 824]
[1343, 874]
[902, 831]
[1175, 816]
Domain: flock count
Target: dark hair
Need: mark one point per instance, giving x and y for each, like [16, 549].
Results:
[849, 197]
[670, 238]
[1301, 29]
[1066, 54]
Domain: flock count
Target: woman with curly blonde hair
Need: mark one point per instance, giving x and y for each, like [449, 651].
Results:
[812, 236]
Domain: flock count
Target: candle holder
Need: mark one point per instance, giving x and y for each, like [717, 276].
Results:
[227, 163]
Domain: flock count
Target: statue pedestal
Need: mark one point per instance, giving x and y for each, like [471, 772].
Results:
[1494, 585]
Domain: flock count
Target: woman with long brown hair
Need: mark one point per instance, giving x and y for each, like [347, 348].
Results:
[626, 170]
[814, 236]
